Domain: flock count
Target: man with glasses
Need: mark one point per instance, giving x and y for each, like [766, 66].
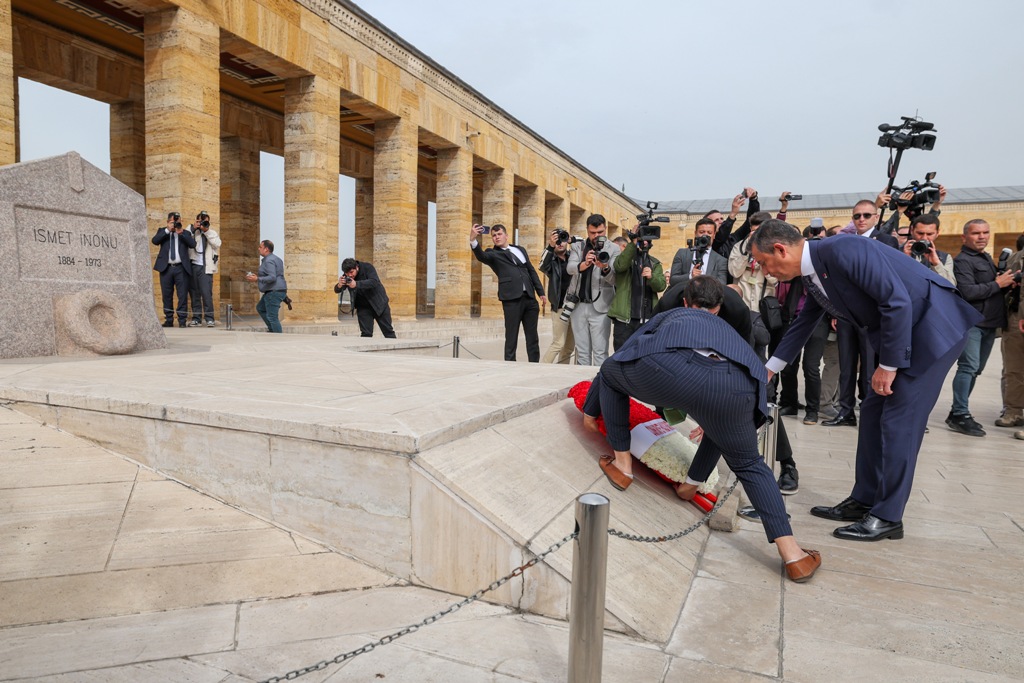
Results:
[854, 348]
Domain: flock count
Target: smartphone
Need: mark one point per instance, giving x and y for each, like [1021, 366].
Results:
[485, 229]
[743, 193]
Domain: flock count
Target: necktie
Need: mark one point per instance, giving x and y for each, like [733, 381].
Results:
[820, 297]
[174, 248]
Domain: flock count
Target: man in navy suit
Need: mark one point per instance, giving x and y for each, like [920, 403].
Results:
[691, 359]
[917, 324]
[174, 266]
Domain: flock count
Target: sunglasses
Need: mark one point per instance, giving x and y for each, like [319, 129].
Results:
[858, 216]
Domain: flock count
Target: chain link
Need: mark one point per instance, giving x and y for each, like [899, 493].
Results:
[390, 638]
[679, 534]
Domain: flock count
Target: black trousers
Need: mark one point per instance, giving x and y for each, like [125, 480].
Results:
[622, 331]
[856, 365]
[365, 315]
[201, 293]
[174, 279]
[813, 350]
[720, 395]
[522, 311]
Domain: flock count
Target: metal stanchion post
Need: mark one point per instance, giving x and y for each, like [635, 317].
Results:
[767, 442]
[589, 572]
[455, 347]
[230, 311]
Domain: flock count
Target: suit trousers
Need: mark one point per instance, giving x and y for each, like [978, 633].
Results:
[562, 342]
[856, 365]
[720, 395]
[830, 378]
[522, 311]
[173, 280]
[201, 293]
[812, 354]
[591, 329]
[365, 317]
[891, 431]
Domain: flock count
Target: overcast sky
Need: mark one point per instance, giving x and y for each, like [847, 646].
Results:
[692, 100]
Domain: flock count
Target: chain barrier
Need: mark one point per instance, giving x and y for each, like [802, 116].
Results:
[679, 534]
[412, 628]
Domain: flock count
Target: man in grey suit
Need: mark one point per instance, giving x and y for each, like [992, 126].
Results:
[690, 359]
[593, 282]
[685, 266]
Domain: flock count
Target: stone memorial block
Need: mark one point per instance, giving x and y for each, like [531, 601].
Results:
[75, 271]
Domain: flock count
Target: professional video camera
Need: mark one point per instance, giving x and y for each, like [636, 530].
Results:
[816, 229]
[924, 193]
[644, 230]
[907, 135]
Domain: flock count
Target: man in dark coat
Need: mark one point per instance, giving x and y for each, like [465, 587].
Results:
[369, 298]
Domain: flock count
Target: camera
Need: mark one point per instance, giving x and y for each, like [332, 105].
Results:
[346, 279]
[924, 193]
[644, 229]
[177, 225]
[568, 306]
[816, 229]
[911, 134]
[602, 256]
[920, 248]
[562, 236]
[204, 224]
[791, 197]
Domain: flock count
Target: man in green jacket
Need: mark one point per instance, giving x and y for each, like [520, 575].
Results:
[638, 279]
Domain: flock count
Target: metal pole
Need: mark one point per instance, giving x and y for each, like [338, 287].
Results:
[589, 572]
[771, 436]
[230, 311]
[455, 347]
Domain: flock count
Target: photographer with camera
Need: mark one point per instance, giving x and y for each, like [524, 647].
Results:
[592, 284]
[174, 266]
[983, 286]
[517, 283]
[638, 280]
[553, 264]
[723, 239]
[204, 259]
[920, 245]
[369, 298]
[698, 257]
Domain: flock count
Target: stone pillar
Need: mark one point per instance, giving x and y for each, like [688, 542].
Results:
[557, 210]
[182, 102]
[8, 89]
[364, 220]
[453, 286]
[394, 211]
[239, 221]
[532, 231]
[423, 194]
[498, 196]
[311, 158]
[128, 145]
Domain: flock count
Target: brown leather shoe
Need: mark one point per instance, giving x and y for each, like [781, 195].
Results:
[616, 477]
[804, 568]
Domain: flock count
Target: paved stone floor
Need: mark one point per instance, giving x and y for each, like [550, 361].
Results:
[111, 572]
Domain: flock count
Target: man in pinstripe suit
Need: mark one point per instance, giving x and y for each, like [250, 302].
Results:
[691, 359]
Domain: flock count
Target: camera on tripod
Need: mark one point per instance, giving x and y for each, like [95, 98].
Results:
[644, 230]
[911, 134]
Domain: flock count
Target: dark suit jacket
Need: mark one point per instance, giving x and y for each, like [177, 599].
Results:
[682, 264]
[690, 328]
[513, 277]
[185, 242]
[912, 316]
[369, 291]
[885, 238]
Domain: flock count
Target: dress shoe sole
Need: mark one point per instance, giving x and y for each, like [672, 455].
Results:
[893, 534]
[848, 517]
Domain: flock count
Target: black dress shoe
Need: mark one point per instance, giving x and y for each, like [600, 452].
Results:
[169, 323]
[870, 528]
[849, 510]
[841, 421]
[788, 411]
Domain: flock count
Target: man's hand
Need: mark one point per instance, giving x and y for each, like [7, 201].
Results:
[1020, 325]
[553, 238]
[543, 300]
[784, 201]
[1006, 279]
[590, 260]
[770, 375]
[475, 232]
[251, 277]
[942, 197]
[882, 199]
[646, 272]
[695, 271]
[737, 203]
[882, 380]
[696, 434]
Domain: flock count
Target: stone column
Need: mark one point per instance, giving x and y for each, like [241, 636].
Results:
[532, 231]
[128, 145]
[557, 210]
[453, 286]
[364, 220]
[498, 196]
[239, 221]
[182, 102]
[423, 194]
[394, 211]
[311, 158]
[8, 89]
